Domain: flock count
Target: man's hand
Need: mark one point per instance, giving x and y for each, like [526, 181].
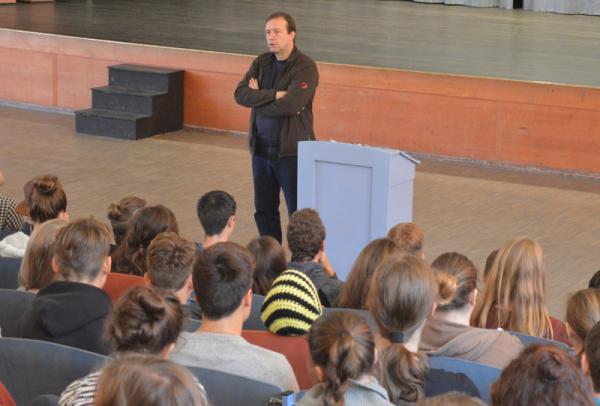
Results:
[253, 84]
[279, 94]
[326, 265]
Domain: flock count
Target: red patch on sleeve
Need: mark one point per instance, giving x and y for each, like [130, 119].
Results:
[303, 85]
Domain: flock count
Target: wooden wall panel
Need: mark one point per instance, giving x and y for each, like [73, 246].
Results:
[27, 76]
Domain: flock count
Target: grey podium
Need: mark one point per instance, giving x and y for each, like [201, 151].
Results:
[359, 191]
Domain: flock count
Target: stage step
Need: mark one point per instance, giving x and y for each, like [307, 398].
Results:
[140, 101]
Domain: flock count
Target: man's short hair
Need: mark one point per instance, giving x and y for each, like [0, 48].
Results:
[291, 24]
[81, 249]
[170, 260]
[305, 235]
[222, 276]
[214, 210]
[592, 352]
[409, 237]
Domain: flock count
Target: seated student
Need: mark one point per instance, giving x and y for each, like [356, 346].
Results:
[542, 375]
[143, 321]
[72, 311]
[447, 331]
[45, 200]
[401, 297]
[148, 380]
[355, 291]
[216, 212]
[452, 399]
[222, 278]
[514, 297]
[36, 268]
[170, 261]
[590, 360]
[10, 220]
[146, 223]
[120, 213]
[270, 262]
[306, 240]
[583, 312]
[409, 237]
[342, 348]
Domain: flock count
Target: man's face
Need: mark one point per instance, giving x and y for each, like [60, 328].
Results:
[279, 40]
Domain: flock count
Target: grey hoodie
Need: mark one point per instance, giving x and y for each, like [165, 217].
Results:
[486, 346]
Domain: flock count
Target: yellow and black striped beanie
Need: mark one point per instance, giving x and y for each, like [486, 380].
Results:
[292, 304]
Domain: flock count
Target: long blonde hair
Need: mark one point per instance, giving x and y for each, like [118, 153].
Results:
[515, 293]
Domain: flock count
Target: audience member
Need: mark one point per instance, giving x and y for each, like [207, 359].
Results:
[489, 263]
[595, 281]
[542, 375]
[342, 349]
[146, 223]
[270, 262]
[355, 291]
[10, 220]
[448, 333]
[401, 298]
[515, 296]
[292, 304]
[120, 213]
[452, 399]
[170, 261]
[409, 237]
[306, 240]
[147, 380]
[72, 311]
[222, 279]
[36, 268]
[590, 360]
[45, 200]
[583, 313]
[216, 212]
[143, 321]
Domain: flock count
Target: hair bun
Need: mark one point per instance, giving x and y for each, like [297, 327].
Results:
[151, 304]
[46, 184]
[447, 288]
[115, 212]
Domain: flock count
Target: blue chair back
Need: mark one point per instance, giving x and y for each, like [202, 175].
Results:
[13, 304]
[483, 376]
[30, 368]
[9, 272]
[228, 389]
[254, 322]
[45, 400]
[528, 340]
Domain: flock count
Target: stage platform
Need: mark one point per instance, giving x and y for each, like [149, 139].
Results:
[507, 86]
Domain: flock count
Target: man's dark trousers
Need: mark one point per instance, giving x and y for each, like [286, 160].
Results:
[271, 175]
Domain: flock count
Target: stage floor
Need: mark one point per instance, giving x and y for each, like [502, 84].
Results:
[494, 43]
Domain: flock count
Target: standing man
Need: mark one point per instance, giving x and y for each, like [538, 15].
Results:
[279, 87]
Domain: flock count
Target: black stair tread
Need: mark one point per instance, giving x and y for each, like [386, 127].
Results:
[144, 69]
[129, 91]
[119, 115]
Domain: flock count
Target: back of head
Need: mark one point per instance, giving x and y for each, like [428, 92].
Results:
[592, 353]
[214, 210]
[146, 223]
[456, 276]
[542, 375]
[516, 290]
[46, 199]
[120, 213]
[452, 399]
[583, 312]
[170, 259]
[147, 380]
[36, 268]
[81, 247]
[355, 291]
[270, 261]
[342, 346]
[401, 297]
[144, 321]
[409, 237]
[222, 275]
[305, 235]
[595, 281]
[291, 305]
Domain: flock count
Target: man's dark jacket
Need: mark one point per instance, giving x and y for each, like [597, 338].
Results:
[300, 80]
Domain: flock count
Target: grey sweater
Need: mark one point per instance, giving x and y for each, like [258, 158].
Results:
[365, 392]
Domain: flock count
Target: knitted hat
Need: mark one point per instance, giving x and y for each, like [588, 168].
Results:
[292, 304]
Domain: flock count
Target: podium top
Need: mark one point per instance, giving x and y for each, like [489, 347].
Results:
[350, 148]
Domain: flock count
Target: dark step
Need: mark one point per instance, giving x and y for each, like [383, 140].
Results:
[114, 124]
[144, 77]
[128, 100]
